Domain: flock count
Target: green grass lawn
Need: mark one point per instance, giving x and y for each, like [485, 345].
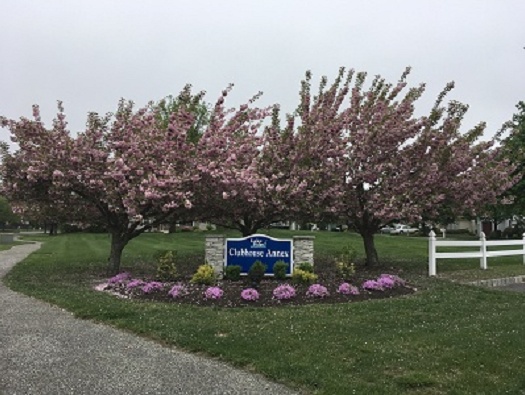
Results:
[445, 339]
[4, 247]
[7, 246]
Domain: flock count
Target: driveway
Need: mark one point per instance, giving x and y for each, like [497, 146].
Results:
[44, 350]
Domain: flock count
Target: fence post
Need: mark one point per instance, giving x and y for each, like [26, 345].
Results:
[523, 248]
[432, 253]
[483, 259]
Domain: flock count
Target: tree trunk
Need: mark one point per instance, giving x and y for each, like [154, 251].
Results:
[53, 229]
[246, 231]
[248, 227]
[173, 227]
[172, 221]
[372, 258]
[118, 242]
[367, 225]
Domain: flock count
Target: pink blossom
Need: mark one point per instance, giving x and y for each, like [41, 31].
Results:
[250, 294]
[372, 285]
[178, 291]
[119, 278]
[283, 292]
[213, 293]
[347, 289]
[317, 290]
[134, 283]
[152, 286]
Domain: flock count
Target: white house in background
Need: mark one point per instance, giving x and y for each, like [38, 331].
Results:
[203, 225]
[476, 226]
[464, 224]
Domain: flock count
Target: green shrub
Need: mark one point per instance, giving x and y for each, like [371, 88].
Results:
[348, 254]
[345, 270]
[96, 228]
[515, 232]
[279, 270]
[232, 272]
[303, 277]
[256, 272]
[456, 232]
[67, 228]
[306, 267]
[495, 234]
[204, 275]
[167, 266]
[345, 262]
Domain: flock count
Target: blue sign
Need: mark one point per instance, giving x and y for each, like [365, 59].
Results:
[245, 251]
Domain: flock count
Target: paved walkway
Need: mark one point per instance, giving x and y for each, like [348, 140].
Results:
[44, 350]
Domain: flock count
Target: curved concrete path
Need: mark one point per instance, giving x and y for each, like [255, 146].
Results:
[44, 350]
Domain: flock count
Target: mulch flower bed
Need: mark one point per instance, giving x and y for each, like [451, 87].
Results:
[364, 285]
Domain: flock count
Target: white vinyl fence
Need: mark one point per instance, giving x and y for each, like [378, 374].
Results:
[481, 252]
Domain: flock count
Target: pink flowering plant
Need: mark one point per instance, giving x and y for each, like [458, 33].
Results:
[386, 282]
[213, 293]
[250, 294]
[125, 286]
[317, 291]
[372, 285]
[347, 289]
[152, 286]
[284, 292]
[346, 151]
[119, 278]
[396, 279]
[135, 283]
[178, 291]
[383, 282]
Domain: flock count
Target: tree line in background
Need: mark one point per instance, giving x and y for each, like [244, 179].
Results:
[349, 153]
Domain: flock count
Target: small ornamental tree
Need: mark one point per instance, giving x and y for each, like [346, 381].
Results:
[379, 162]
[252, 176]
[246, 170]
[228, 153]
[200, 111]
[132, 170]
[135, 168]
[514, 150]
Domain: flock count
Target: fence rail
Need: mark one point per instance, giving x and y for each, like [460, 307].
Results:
[482, 253]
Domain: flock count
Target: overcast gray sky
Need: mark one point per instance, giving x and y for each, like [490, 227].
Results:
[91, 53]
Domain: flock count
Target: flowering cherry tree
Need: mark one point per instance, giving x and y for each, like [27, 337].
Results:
[348, 152]
[253, 174]
[514, 150]
[228, 152]
[139, 167]
[381, 163]
[247, 170]
[133, 171]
